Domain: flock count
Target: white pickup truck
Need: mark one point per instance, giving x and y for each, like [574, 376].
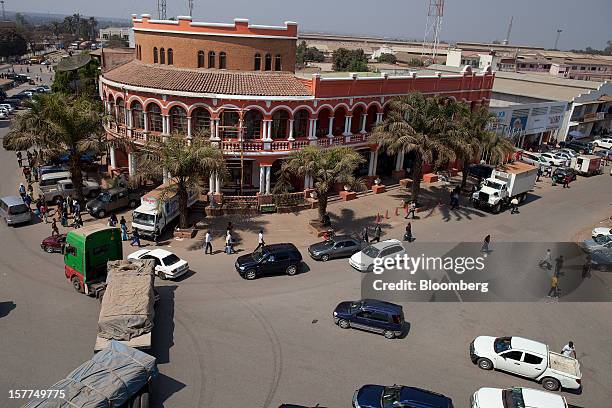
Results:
[526, 358]
[515, 397]
[65, 188]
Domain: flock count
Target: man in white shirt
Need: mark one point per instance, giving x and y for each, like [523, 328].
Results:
[569, 350]
[260, 240]
[208, 243]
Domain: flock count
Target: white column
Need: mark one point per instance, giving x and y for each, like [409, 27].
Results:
[217, 124]
[399, 162]
[331, 126]
[348, 120]
[212, 129]
[113, 161]
[540, 139]
[379, 117]
[268, 177]
[188, 127]
[269, 131]
[211, 183]
[264, 129]
[164, 125]
[146, 121]
[371, 164]
[312, 129]
[290, 130]
[217, 183]
[131, 164]
[375, 163]
[262, 179]
[165, 175]
[364, 118]
[128, 118]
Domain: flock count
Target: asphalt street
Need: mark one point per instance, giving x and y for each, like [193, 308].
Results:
[222, 341]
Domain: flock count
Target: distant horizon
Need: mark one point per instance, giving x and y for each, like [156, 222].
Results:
[535, 23]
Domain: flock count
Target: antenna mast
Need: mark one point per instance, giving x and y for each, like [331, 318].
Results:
[161, 9]
[3, 14]
[190, 5]
[507, 40]
[435, 11]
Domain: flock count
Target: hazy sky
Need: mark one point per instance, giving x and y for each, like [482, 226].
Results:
[584, 22]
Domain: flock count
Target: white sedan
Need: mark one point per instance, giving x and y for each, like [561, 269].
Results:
[601, 232]
[606, 143]
[167, 265]
[554, 159]
[364, 260]
[516, 398]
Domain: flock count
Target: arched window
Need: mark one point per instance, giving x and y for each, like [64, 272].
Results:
[277, 63]
[228, 128]
[280, 121]
[155, 60]
[268, 62]
[252, 124]
[211, 59]
[178, 120]
[121, 111]
[170, 56]
[222, 60]
[154, 117]
[200, 59]
[162, 56]
[200, 121]
[257, 66]
[137, 115]
[300, 123]
[111, 109]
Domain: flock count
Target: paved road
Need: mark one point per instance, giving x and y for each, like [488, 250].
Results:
[222, 341]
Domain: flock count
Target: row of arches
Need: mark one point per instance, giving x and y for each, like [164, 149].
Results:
[211, 60]
[159, 57]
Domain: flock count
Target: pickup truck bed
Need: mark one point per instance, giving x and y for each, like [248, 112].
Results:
[564, 364]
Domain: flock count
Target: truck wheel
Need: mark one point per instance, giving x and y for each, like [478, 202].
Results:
[76, 284]
[291, 270]
[250, 274]
[485, 364]
[344, 324]
[101, 214]
[497, 208]
[551, 384]
[389, 334]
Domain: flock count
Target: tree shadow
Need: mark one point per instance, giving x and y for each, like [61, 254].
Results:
[163, 333]
[6, 308]
[347, 224]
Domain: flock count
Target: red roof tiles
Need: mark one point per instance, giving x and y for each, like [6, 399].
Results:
[209, 81]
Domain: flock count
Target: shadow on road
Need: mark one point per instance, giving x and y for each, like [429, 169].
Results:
[163, 333]
[163, 388]
[6, 308]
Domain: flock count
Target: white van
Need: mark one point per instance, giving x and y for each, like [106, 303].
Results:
[14, 211]
[533, 158]
[50, 180]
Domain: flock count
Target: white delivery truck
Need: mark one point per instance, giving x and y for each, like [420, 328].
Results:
[586, 165]
[158, 209]
[506, 182]
[526, 358]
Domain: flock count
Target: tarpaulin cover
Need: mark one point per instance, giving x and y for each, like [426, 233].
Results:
[128, 304]
[109, 379]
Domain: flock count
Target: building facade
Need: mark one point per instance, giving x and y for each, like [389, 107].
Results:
[235, 84]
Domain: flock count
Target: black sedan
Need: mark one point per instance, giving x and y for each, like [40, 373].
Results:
[339, 246]
[560, 173]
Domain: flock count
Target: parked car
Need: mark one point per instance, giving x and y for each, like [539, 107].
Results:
[112, 200]
[14, 211]
[605, 143]
[599, 250]
[565, 154]
[86, 158]
[553, 159]
[339, 246]
[480, 171]
[275, 259]
[372, 315]
[42, 170]
[167, 264]
[8, 106]
[561, 172]
[3, 115]
[578, 146]
[601, 232]
[364, 260]
[516, 397]
[54, 243]
[380, 396]
[535, 159]
[526, 358]
[571, 152]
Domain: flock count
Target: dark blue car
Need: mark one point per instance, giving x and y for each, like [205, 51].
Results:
[373, 315]
[380, 396]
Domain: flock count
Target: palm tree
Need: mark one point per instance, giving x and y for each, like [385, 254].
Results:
[187, 164]
[327, 167]
[476, 139]
[420, 125]
[57, 123]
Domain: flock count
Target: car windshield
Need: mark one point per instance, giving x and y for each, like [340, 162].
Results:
[143, 219]
[170, 259]
[104, 197]
[494, 185]
[603, 239]
[370, 251]
[18, 209]
[259, 255]
[391, 397]
[502, 344]
[513, 398]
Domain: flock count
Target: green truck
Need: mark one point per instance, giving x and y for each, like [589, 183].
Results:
[86, 252]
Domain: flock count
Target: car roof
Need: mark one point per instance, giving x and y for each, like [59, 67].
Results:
[423, 398]
[281, 247]
[12, 200]
[159, 253]
[382, 305]
[386, 243]
[538, 398]
[528, 345]
[337, 238]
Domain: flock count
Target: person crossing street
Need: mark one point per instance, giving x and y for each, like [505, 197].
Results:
[208, 243]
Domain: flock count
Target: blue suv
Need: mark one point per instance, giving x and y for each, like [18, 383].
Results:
[373, 315]
[380, 396]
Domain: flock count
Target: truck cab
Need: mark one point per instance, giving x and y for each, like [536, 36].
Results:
[86, 252]
[513, 180]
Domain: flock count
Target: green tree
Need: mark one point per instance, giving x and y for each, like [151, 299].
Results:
[415, 62]
[299, 53]
[420, 125]
[82, 81]
[12, 44]
[388, 58]
[327, 167]
[57, 123]
[349, 60]
[313, 54]
[186, 163]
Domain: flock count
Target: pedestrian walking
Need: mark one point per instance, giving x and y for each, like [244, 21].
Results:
[123, 226]
[135, 238]
[27, 174]
[566, 180]
[78, 221]
[377, 233]
[27, 200]
[514, 203]
[554, 281]
[569, 350]
[364, 235]
[547, 260]
[54, 229]
[45, 211]
[70, 203]
[64, 218]
[411, 210]
[22, 190]
[19, 160]
[260, 240]
[30, 190]
[76, 206]
[539, 174]
[208, 243]
[485, 244]
[156, 234]
[229, 243]
[408, 233]
[112, 220]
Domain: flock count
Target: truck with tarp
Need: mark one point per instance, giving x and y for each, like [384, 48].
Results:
[86, 252]
[127, 309]
[118, 376]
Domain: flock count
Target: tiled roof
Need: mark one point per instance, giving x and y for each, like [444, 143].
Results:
[209, 81]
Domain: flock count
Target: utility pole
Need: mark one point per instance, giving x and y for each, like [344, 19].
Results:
[190, 5]
[557, 39]
[3, 14]
[507, 40]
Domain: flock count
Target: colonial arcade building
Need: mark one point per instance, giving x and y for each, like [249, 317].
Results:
[236, 85]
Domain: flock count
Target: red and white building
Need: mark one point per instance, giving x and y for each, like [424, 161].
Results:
[236, 84]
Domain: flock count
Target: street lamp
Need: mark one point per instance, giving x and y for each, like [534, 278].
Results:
[557, 39]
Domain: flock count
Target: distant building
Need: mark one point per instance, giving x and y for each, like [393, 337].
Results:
[109, 58]
[122, 32]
